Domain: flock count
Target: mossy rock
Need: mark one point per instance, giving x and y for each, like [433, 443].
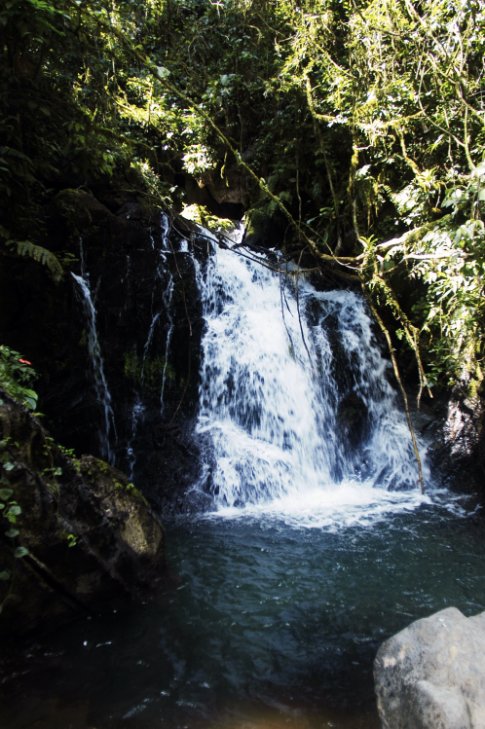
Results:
[81, 535]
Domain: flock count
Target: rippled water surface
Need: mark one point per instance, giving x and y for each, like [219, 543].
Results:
[265, 624]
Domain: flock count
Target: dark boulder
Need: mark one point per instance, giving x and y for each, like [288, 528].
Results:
[74, 534]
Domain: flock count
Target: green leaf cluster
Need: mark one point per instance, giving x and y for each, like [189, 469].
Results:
[10, 509]
[16, 377]
[355, 126]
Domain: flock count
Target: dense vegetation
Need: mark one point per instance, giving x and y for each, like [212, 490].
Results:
[352, 128]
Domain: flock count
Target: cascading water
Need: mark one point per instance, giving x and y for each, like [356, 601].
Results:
[161, 300]
[385, 454]
[108, 431]
[282, 369]
[167, 301]
[137, 412]
[165, 282]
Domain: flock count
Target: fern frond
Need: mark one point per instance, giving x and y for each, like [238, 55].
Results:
[27, 249]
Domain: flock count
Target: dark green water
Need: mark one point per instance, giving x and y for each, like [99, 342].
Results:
[265, 625]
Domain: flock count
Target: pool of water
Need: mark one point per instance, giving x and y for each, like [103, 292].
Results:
[264, 624]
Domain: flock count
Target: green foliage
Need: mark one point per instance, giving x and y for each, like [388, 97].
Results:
[201, 215]
[130, 489]
[352, 121]
[447, 257]
[51, 472]
[408, 85]
[16, 376]
[69, 453]
[10, 509]
[71, 539]
[27, 249]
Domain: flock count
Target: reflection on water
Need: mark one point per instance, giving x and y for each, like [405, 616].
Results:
[265, 625]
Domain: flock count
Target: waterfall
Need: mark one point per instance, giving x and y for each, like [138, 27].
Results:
[137, 412]
[103, 396]
[167, 302]
[161, 303]
[294, 395]
[167, 296]
[386, 455]
[167, 288]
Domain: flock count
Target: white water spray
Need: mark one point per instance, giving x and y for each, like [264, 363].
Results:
[277, 378]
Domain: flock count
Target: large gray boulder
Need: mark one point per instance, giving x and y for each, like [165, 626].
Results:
[432, 674]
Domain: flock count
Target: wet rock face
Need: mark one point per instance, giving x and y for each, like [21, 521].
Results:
[83, 535]
[149, 329]
[458, 441]
[432, 676]
[352, 420]
[464, 433]
[141, 271]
